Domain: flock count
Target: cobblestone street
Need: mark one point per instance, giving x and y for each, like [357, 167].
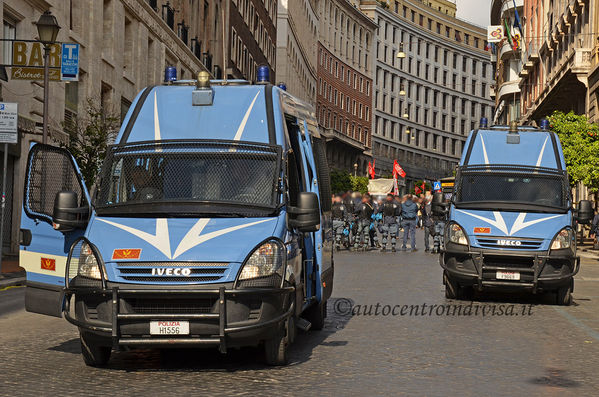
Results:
[552, 350]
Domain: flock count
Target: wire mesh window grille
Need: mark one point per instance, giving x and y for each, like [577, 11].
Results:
[198, 171]
[50, 170]
[509, 184]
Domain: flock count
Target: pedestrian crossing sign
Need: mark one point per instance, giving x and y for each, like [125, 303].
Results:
[437, 185]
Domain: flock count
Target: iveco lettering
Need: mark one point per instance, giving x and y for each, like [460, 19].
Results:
[510, 222]
[209, 227]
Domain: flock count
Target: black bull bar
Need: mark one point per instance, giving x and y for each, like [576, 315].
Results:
[116, 293]
[221, 316]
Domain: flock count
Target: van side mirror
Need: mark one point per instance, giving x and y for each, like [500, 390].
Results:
[306, 216]
[67, 214]
[438, 205]
[584, 212]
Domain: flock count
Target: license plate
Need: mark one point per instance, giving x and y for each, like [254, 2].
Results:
[169, 327]
[507, 276]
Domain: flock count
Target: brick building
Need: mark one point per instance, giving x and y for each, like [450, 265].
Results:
[252, 37]
[344, 94]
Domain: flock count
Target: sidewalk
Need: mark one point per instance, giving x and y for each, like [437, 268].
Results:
[12, 274]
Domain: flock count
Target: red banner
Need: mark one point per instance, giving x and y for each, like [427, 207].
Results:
[371, 170]
[397, 170]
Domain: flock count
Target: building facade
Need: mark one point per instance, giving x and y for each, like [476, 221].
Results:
[432, 84]
[125, 45]
[594, 71]
[252, 37]
[297, 38]
[507, 63]
[345, 85]
[557, 59]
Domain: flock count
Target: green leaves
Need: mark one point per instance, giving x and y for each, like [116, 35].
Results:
[342, 181]
[580, 143]
[89, 136]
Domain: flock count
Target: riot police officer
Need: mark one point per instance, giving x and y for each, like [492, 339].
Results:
[390, 211]
[339, 218]
[363, 213]
[350, 222]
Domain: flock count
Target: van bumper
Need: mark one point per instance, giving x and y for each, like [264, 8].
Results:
[218, 315]
[538, 270]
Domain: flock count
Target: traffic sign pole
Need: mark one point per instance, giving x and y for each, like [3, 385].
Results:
[4, 173]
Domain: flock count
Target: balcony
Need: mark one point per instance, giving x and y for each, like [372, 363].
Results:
[532, 55]
[581, 61]
[508, 6]
[508, 88]
[506, 51]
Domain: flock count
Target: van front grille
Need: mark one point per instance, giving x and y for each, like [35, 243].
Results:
[172, 272]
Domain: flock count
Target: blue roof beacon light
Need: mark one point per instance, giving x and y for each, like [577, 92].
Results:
[544, 124]
[282, 86]
[484, 123]
[263, 75]
[170, 74]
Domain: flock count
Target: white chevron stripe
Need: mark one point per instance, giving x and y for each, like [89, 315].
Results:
[482, 141]
[542, 151]
[194, 237]
[244, 121]
[519, 224]
[499, 222]
[160, 240]
[157, 136]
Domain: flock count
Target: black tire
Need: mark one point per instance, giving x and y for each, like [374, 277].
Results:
[275, 349]
[94, 354]
[316, 315]
[563, 296]
[453, 290]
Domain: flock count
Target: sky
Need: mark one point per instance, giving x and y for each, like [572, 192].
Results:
[475, 11]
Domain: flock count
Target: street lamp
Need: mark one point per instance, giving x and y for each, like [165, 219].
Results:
[402, 91]
[355, 169]
[401, 54]
[47, 30]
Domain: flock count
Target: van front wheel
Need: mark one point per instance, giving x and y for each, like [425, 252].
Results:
[316, 315]
[93, 354]
[275, 349]
[564, 295]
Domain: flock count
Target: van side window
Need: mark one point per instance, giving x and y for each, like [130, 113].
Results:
[292, 179]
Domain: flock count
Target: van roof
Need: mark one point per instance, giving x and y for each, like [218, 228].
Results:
[238, 112]
[538, 148]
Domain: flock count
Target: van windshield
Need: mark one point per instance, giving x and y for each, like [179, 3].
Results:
[189, 178]
[521, 188]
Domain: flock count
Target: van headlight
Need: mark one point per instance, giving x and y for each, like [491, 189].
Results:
[88, 264]
[457, 235]
[266, 260]
[563, 239]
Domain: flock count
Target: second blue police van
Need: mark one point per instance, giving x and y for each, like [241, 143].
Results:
[210, 224]
[511, 223]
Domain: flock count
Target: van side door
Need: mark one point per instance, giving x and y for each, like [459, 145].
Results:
[44, 250]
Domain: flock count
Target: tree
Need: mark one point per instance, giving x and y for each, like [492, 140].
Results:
[580, 143]
[340, 181]
[359, 184]
[89, 136]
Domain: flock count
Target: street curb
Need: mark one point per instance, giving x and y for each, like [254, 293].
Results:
[11, 280]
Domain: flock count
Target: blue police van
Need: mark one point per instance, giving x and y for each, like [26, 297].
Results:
[209, 226]
[511, 223]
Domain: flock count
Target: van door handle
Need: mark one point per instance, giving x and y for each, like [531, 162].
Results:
[25, 237]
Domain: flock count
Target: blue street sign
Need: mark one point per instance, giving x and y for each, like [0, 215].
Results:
[437, 185]
[69, 68]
